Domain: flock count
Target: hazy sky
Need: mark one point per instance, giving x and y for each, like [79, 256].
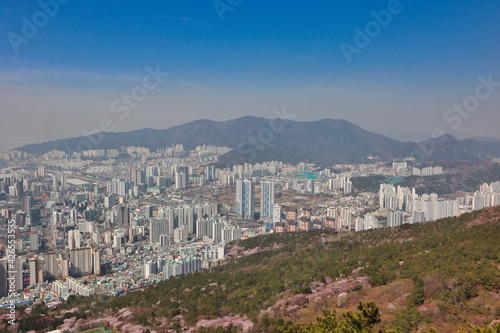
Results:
[70, 73]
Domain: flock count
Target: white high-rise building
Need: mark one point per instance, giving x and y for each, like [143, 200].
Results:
[348, 187]
[210, 172]
[170, 216]
[370, 221]
[189, 219]
[82, 261]
[73, 216]
[118, 238]
[434, 206]
[158, 227]
[78, 238]
[109, 201]
[360, 224]
[478, 202]
[18, 273]
[394, 218]
[34, 269]
[34, 241]
[149, 268]
[276, 213]
[177, 235]
[165, 241]
[266, 199]
[203, 180]
[207, 209]
[119, 187]
[51, 267]
[331, 212]
[217, 232]
[179, 216]
[230, 233]
[108, 236]
[97, 261]
[55, 183]
[71, 240]
[41, 172]
[64, 181]
[180, 182]
[198, 212]
[203, 228]
[245, 199]
[96, 237]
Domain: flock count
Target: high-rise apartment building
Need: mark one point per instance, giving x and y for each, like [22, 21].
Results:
[245, 199]
[55, 183]
[4, 268]
[157, 228]
[210, 172]
[51, 266]
[123, 216]
[11, 270]
[34, 266]
[81, 261]
[276, 213]
[266, 199]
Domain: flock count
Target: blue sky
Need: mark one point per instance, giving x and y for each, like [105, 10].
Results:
[263, 55]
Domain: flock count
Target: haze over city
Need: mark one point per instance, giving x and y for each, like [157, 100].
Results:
[238, 166]
[228, 62]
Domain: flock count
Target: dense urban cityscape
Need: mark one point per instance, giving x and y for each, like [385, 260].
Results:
[113, 221]
[234, 166]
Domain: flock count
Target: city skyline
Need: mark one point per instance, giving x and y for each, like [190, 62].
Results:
[249, 166]
[109, 222]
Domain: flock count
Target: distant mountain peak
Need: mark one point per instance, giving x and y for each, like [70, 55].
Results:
[325, 141]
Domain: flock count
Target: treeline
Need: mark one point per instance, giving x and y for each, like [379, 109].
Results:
[365, 320]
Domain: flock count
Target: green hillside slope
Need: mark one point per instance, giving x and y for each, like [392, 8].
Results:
[442, 275]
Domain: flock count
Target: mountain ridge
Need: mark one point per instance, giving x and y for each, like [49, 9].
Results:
[257, 139]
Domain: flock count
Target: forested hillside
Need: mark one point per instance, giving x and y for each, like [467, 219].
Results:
[442, 275]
